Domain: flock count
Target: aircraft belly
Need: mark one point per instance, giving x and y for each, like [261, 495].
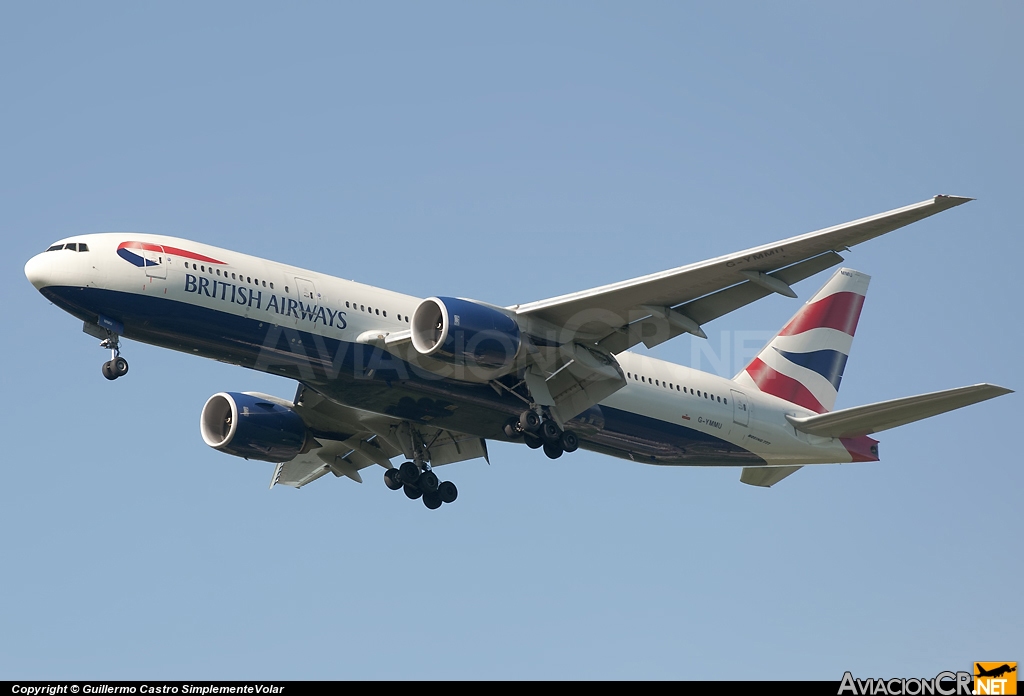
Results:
[366, 377]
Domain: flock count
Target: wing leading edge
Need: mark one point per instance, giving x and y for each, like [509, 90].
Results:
[687, 296]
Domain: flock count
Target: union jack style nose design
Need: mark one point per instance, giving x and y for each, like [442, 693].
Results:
[804, 363]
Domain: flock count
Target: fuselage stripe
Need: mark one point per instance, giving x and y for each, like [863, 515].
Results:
[173, 251]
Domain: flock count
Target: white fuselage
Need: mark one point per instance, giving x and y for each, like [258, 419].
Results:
[750, 426]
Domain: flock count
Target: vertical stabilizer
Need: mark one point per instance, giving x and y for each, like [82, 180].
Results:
[804, 363]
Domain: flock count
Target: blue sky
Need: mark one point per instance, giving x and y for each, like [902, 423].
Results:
[511, 152]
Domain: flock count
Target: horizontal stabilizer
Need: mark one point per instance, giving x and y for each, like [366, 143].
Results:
[873, 418]
[765, 476]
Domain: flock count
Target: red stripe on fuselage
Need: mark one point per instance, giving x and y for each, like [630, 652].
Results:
[840, 311]
[773, 382]
[173, 251]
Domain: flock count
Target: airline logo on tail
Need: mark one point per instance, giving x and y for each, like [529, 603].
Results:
[805, 361]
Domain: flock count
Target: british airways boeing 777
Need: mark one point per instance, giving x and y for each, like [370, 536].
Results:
[383, 375]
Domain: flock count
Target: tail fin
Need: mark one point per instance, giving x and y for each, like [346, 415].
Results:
[804, 363]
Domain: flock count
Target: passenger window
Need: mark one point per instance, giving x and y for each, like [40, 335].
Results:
[378, 312]
[346, 305]
[271, 285]
[385, 313]
[218, 271]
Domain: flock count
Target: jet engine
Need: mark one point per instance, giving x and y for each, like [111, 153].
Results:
[466, 334]
[251, 426]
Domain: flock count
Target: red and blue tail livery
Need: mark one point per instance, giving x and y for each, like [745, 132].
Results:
[804, 362]
[410, 384]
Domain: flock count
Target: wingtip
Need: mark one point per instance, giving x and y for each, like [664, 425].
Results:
[996, 388]
[951, 200]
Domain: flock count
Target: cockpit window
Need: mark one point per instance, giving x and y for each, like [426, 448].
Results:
[70, 247]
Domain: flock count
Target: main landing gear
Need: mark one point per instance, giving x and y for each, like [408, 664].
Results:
[116, 366]
[540, 432]
[420, 482]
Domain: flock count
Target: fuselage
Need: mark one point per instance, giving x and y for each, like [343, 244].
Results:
[304, 325]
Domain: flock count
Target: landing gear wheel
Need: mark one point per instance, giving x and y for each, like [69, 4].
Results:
[569, 441]
[409, 473]
[391, 479]
[108, 370]
[412, 492]
[432, 501]
[447, 492]
[530, 421]
[427, 482]
[553, 451]
[532, 441]
[119, 366]
[513, 429]
[550, 432]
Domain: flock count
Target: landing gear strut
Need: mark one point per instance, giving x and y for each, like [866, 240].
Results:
[421, 483]
[116, 366]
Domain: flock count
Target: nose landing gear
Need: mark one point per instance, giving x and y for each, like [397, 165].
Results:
[116, 366]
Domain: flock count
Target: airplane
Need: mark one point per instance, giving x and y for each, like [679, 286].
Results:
[383, 375]
[995, 672]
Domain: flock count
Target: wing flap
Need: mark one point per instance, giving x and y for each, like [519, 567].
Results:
[874, 418]
[588, 378]
[654, 330]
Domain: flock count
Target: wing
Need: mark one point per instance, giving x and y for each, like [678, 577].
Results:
[574, 338]
[348, 440]
[655, 307]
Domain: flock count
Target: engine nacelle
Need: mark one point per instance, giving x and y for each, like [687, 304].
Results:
[250, 426]
[466, 333]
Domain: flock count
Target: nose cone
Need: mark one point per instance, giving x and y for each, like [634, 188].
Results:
[37, 270]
